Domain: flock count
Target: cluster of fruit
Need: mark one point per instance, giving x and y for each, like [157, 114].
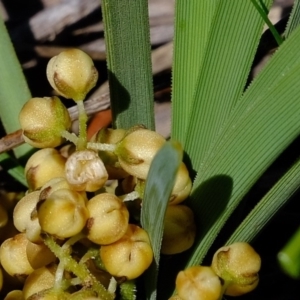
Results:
[78, 224]
[233, 272]
[77, 232]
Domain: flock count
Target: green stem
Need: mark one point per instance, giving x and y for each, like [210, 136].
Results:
[82, 138]
[80, 270]
[272, 28]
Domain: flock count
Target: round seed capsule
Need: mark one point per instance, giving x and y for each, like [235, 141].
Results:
[108, 219]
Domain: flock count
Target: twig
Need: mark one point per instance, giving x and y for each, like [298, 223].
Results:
[92, 106]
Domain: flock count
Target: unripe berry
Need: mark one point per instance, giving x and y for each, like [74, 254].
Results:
[63, 214]
[39, 255]
[25, 219]
[110, 159]
[182, 186]
[42, 166]
[43, 120]
[179, 229]
[13, 250]
[198, 283]
[137, 150]
[14, 295]
[238, 265]
[39, 280]
[108, 219]
[130, 256]
[85, 171]
[72, 74]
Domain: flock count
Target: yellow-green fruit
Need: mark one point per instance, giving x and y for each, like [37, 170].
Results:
[108, 219]
[13, 250]
[179, 229]
[39, 280]
[39, 255]
[25, 218]
[42, 166]
[63, 214]
[136, 151]
[15, 295]
[130, 256]
[182, 186]
[110, 159]
[198, 282]
[72, 74]
[238, 265]
[85, 171]
[42, 121]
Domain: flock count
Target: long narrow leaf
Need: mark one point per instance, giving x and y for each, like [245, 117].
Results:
[158, 189]
[265, 121]
[231, 47]
[294, 19]
[14, 91]
[129, 62]
[192, 24]
[268, 206]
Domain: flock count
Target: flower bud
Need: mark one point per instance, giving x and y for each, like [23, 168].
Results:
[136, 151]
[179, 229]
[13, 257]
[238, 265]
[42, 121]
[130, 256]
[42, 166]
[63, 213]
[110, 159]
[85, 171]
[108, 219]
[182, 186]
[72, 74]
[198, 282]
[25, 220]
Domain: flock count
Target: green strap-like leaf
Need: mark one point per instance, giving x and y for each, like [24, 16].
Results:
[129, 62]
[192, 24]
[294, 19]
[230, 49]
[14, 91]
[265, 121]
[268, 206]
[289, 256]
[159, 185]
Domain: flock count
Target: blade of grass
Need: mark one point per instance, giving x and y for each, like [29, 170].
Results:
[294, 19]
[230, 49]
[265, 121]
[14, 91]
[129, 62]
[268, 206]
[192, 24]
[159, 185]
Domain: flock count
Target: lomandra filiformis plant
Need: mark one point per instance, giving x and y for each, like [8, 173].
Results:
[86, 234]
